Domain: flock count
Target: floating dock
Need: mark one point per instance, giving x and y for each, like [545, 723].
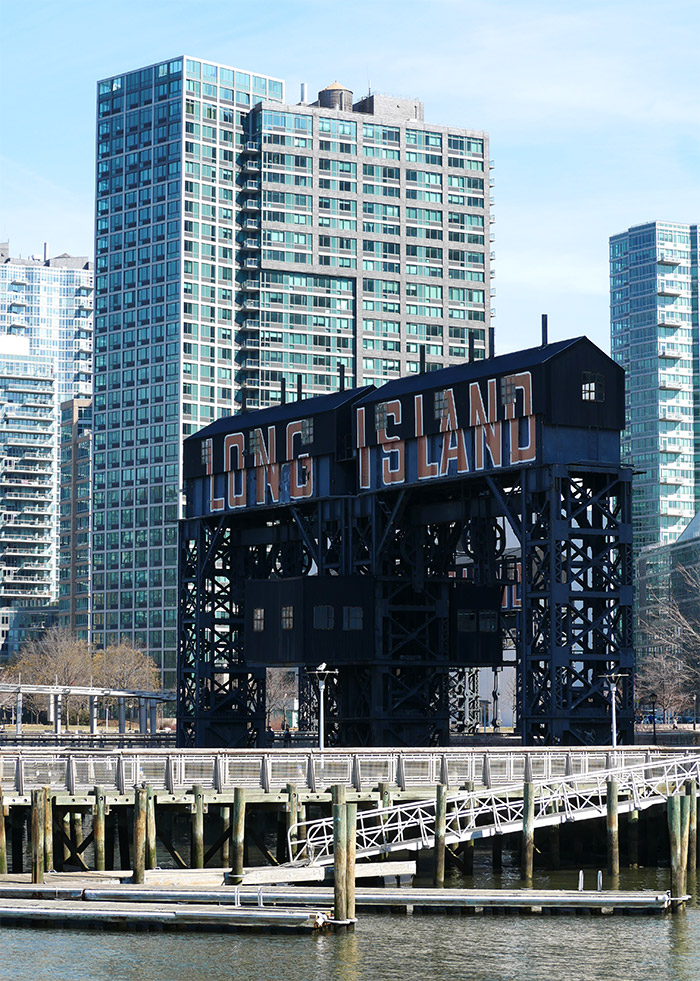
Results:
[111, 905]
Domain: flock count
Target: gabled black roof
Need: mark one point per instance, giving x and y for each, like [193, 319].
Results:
[280, 413]
[471, 370]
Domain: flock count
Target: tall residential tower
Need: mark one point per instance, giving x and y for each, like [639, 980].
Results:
[654, 336]
[245, 247]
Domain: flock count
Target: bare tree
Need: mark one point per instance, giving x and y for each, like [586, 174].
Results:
[669, 667]
[56, 657]
[281, 691]
[120, 666]
[666, 680]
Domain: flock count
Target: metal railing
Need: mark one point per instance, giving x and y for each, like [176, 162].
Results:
[482, 814]
[77, 771]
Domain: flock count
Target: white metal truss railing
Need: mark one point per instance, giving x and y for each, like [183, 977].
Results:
[176, 771]
[484, 813]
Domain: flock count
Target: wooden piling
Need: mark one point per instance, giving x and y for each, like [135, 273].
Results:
[685, 834]
[238, 834]
[65, 824]
[151, 856]
[225, 820]
[340, 852]
[197, 849]
[291, 815]
[528, 847]
[48, 829]
[384, 795]
[691, 789]
[351, 855]
[612, 827]
[76, 829]
[3, 838]
[139, 834]
[98, 828]
[673, 813]
[633, 839]
[38, 835]
[440, 831]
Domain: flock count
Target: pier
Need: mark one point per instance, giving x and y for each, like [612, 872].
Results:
[321, 820]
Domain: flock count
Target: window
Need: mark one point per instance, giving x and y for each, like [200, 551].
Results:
[488, 621]
[258, 619]
[507, 390]
[440, 404]
[466, 621]
[287, 618]
[592, 386]
[353, 618]
[324, 618]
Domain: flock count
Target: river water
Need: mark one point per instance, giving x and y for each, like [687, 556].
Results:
[384, 948]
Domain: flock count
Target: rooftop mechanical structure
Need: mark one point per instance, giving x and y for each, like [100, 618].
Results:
[373, 529]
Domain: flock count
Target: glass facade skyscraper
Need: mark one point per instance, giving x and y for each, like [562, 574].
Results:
[654, 336]
[28, 464]
[49, 301]
[245, 246]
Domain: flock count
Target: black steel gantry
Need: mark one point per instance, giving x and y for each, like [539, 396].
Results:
[368, 530]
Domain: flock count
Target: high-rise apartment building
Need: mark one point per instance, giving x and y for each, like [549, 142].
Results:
[27, 490]
[75, 451]
[49, 301]
[654, 336]
[244, 247]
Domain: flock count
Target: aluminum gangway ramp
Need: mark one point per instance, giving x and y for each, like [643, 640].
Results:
[499, 810]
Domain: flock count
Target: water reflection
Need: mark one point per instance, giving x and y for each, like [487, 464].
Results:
[385, 948]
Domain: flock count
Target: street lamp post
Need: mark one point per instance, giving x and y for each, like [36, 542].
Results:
[321, 673]
[652, 699]
[612, 680]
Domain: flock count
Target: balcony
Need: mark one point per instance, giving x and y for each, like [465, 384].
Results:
[251, 243]
[251, 165]
[251, 147]
[251, 284]
[248, 324]
[251, 304]
[666, 289]
[667, 259]
[251, 223]
[252, 185]
[250, 204]
[251, 263]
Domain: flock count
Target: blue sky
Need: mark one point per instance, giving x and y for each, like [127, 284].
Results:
[593, 110]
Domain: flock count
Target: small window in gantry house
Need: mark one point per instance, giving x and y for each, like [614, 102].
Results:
[466, 621]
[353, 618]
[592, 386]
[380, 416]
[258, 619]
[287, 618]
[508, 390]
[440, 403]
[324, 618]
[488, 621]
[307, 431]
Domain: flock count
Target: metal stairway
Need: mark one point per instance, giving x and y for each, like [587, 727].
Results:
[499, 810]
